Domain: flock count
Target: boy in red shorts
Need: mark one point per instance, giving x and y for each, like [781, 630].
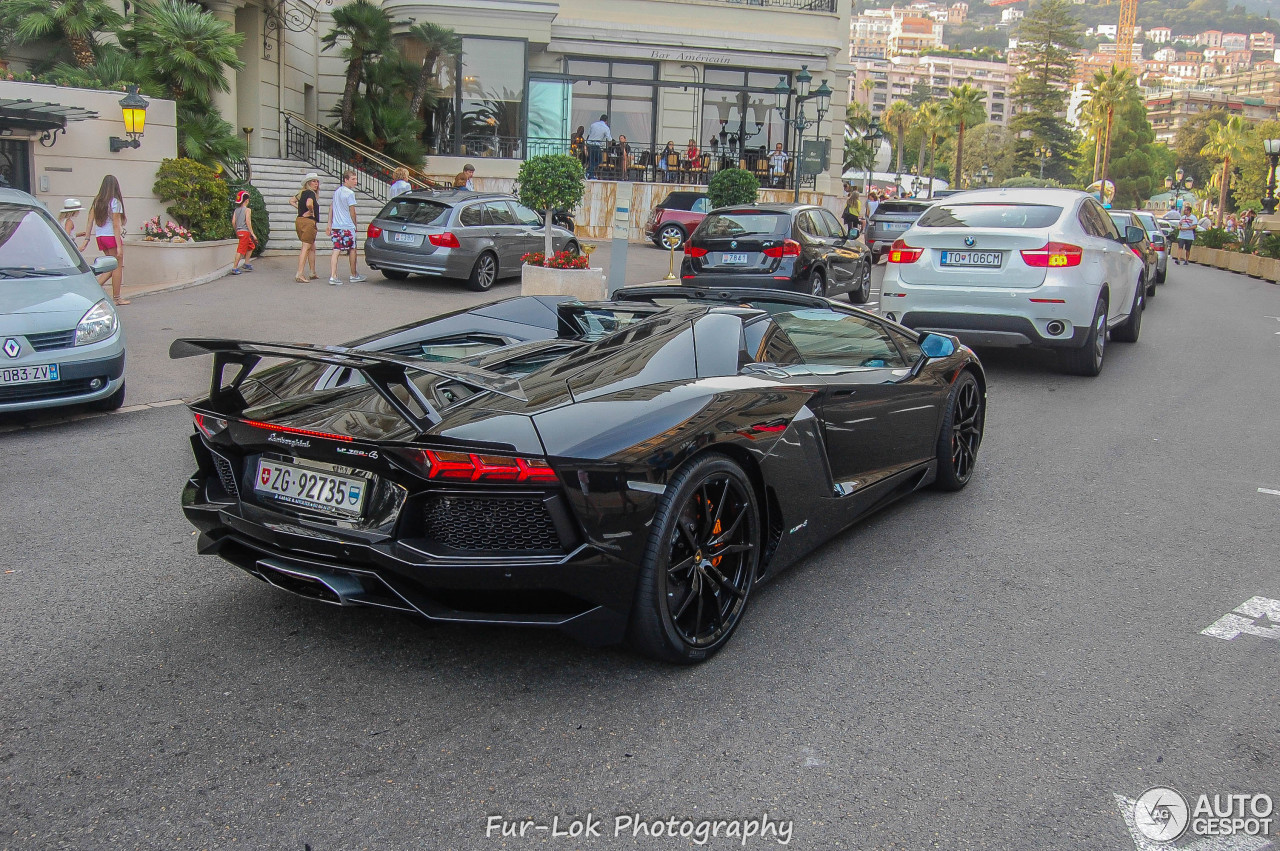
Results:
[242, 219]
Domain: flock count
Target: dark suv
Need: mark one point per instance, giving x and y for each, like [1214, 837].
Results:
[677, 216]
[889, 221]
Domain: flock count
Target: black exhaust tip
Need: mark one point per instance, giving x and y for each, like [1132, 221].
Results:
[327, 588]
[1055, 328]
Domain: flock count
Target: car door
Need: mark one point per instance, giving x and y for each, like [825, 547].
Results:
[530, 233]
[501, 225]
[851, 251]
[473, 236]
[1117, 263]
[821, 247]
[878, 417]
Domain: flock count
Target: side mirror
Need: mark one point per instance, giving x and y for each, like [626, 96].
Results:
[103, 265]
[1134, 235]
[937, 346]
[853, 233]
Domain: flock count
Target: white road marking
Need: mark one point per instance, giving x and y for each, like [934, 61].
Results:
[1269, 490]
[1208, 843]
[1249, 618]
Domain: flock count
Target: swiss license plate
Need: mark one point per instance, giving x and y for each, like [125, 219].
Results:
[406, 238]
[314, 489]
[733, 258]
[971, 258]
[28, 374]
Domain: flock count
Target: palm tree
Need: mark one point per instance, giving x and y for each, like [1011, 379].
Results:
[867, 85]
[187, 49]
[964, 108]
[899, 117]
[1227, 142]
[935, 127]
[1113, 92]
[75, 21]
[439, 43]
[367, 28]
[1092, 112]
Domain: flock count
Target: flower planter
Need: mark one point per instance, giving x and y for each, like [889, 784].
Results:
[1271, 269]
[1209, 256]
[1198, 254]
[160, 263]
[1237, 262]
[1254, 267]
[584, 284]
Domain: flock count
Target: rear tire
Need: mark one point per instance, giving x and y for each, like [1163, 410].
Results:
[1087, 360]
[862, 292]
[818, 283]
[1128, 332]
[700, 563]
[484, 273]
[394, 274]
[670, 230]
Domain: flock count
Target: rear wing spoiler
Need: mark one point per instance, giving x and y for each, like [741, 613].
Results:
[385, 373]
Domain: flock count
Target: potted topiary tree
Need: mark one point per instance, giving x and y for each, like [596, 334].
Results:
[548, 183]
[732, 186]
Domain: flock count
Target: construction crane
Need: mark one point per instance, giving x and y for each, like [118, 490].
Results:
[1124, 33]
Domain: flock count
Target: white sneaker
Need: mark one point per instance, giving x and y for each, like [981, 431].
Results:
[355, 279]
[337, 282]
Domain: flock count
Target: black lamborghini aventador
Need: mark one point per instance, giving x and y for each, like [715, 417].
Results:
[622, 470]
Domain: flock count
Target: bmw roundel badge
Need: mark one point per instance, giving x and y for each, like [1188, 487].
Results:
[969, 241]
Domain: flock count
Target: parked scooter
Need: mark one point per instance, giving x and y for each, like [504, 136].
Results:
[562, 218]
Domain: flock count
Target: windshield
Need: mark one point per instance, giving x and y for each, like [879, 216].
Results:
[1017, 216]
[737, 224]
[30, 240]
[416, 211]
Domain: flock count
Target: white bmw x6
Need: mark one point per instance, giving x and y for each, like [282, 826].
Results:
[1020, 267]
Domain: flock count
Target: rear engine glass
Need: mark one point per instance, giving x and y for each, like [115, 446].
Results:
[416, 211]
[737, 224]
[989, 216]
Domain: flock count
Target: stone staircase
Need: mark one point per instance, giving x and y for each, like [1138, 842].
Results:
[279, 180]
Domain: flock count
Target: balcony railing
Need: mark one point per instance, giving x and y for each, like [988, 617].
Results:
[646, 164]
[803, 5]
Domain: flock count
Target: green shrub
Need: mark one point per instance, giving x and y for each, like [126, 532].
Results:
[1026, 182]
[261, 219]
[732, 186]
[1215, 238]
[197, 198]
[550, 182]
[1269, 245]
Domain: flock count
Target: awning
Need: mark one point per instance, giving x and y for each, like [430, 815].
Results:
[28, 114]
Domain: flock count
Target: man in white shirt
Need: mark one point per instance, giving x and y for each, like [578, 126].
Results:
[1186, 235]
[778, 164]
[598, 135]
[342, 228]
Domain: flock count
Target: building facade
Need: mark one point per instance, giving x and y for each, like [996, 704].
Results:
[1168, 110]
[895, 78]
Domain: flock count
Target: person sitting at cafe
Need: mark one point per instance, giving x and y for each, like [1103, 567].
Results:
[778, 164]
[664, 158]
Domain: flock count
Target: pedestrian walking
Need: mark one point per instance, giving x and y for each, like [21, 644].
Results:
[71, 208]
[462, 180]
[598, 135]
[401, 184]
[873, 204]
[107, 221]
[307, 202]
[1186, 235]
[242, 221]
[342, 228]
[852, 213]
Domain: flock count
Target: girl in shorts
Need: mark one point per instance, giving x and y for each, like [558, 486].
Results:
[106, 224]
[242, 219]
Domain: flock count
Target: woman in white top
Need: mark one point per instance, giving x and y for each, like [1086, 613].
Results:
[107, 224]
[402, 184]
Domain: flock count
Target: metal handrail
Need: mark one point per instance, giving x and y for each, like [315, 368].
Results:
[385, 164]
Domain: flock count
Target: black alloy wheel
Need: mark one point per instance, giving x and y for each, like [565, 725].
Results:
[394, 274]
[674, 231]
[484, 273]
[1087, 360]
[818, 283]
[700, 564]
[573, 248]
[862, 292]
[961, 433]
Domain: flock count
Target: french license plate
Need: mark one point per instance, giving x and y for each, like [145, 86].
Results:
[29, 374]
[406, 238]
[314, 489]
[897, 225]
[738, 259]
[971, 258]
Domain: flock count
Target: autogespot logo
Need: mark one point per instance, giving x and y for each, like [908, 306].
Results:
[1161, 814]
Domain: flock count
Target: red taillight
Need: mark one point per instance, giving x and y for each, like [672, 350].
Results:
[373, 232]
[789, 248]
[443, 240]
[900, 252]
[1158, 247]
[303, 431]
[1053, 254]
[470, 467]
[209, 425]
[1137, 252]
[694, 251]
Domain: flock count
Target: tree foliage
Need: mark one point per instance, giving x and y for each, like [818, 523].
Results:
[75, 23]
[1251, 180]
[1227, 142]
[1049, 35]
[1138, 163]
[732, 186]
[548, 183]
[365, 29]
[962, 109]
[198, 198]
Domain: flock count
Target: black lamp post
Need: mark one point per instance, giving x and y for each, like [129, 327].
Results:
[1180, 181]
[785, 95]
[1044, 154]
[984, 175]
[1272, 149]
[872, 137]
[133, 107]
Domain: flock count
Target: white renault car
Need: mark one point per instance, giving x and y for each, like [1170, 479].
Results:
[1019, 267]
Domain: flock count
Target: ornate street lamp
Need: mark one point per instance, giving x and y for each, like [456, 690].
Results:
[784, 96]
[1043, 154]
[1180, 181]
[133, 107]
[1272, 149]
[985, 175]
